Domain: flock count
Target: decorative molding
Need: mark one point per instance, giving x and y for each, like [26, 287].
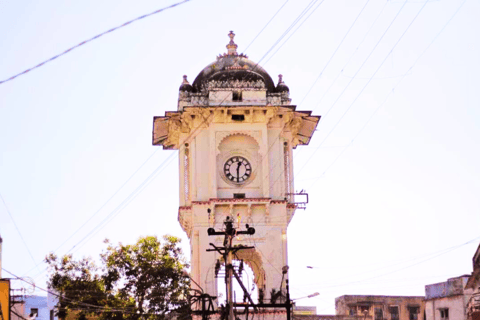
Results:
[234, 84]
[222, 135]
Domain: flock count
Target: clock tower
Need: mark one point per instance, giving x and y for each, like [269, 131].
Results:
[235, 131]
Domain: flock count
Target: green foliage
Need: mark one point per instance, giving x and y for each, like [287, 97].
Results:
[146, 280]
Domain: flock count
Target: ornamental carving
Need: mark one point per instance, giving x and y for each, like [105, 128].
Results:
[174, 127]
[185, 219]
[221, 135]
[233, 84]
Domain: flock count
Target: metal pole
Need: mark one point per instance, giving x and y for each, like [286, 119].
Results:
[288, 304]
[229, 279]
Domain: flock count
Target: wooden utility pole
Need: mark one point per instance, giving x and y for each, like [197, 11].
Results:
[227, 252]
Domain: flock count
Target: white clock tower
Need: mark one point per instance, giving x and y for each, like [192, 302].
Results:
[235, 131]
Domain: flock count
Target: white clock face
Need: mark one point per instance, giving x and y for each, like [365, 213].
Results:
[237, 169]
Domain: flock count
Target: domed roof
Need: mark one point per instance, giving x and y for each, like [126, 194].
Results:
[185, 86]
[233, 66]
[281, 86]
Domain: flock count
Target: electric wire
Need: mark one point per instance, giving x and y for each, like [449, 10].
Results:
[248, 46]
[445, 251]
[350, 59]
[125, 202]
[351, 80]
[299, 26]
[371, 52]
[335, 52]
[104, 204]
[305, 10]
[390, 93]
[87, 305]
[16, 227]
[118, 209]
[91, 39]
[363, 88]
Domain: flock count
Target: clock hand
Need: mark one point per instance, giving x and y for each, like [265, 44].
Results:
[238, 172]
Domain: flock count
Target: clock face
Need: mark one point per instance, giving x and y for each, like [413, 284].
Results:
[237, 169]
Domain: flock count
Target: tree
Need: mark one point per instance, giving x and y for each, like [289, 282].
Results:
[146, 280]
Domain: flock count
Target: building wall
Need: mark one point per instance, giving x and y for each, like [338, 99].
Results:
[473, 284]
[454, 304]
[450, 295]
[380, 307]
[37, 302]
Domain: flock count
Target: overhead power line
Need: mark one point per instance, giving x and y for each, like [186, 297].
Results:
[334, 52]
[127, 310]
[283, 5]
[351, 80]
[91, 39]
[16, 227]
[393, 90]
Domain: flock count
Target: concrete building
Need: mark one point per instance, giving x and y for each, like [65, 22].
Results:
[381, 307]
[37, 305]
[447, 300]
[473, 284]
[235, 131]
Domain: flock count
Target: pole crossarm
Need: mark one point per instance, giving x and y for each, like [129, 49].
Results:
[227, 252]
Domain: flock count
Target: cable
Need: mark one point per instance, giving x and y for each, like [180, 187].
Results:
[334, 52]
[393, 89]
[305, 10]
[301, 24]
[266, 25]
[350, 59]
[351, 80]
[125, 202]
[444, 251]
[118, 209]
[99, 308]
[91, 217]
[371, 52]
[91, 39]
[11, 310]
[16, 227]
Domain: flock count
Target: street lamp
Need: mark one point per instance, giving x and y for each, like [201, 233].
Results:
[309, 296]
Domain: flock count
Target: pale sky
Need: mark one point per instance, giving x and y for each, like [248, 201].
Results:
[392, 171]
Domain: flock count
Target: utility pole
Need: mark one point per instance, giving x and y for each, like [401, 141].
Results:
[227, 252]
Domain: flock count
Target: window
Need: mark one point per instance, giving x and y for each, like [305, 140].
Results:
[413, 311]
[444, 314]
[352, 311]
[237, 96]
[364, 309]
[33, 311]
[239, 195]
[378, 314]
[394, 313]
[238, 117]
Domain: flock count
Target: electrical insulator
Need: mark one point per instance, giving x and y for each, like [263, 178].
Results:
[217, 267]
[240, 268]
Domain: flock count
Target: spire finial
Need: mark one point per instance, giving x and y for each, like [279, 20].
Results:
[280, 78]
[231, 46]
[185, 81]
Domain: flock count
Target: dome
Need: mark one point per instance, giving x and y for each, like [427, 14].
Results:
[232, 66]
[185, 86]
[281, 86]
